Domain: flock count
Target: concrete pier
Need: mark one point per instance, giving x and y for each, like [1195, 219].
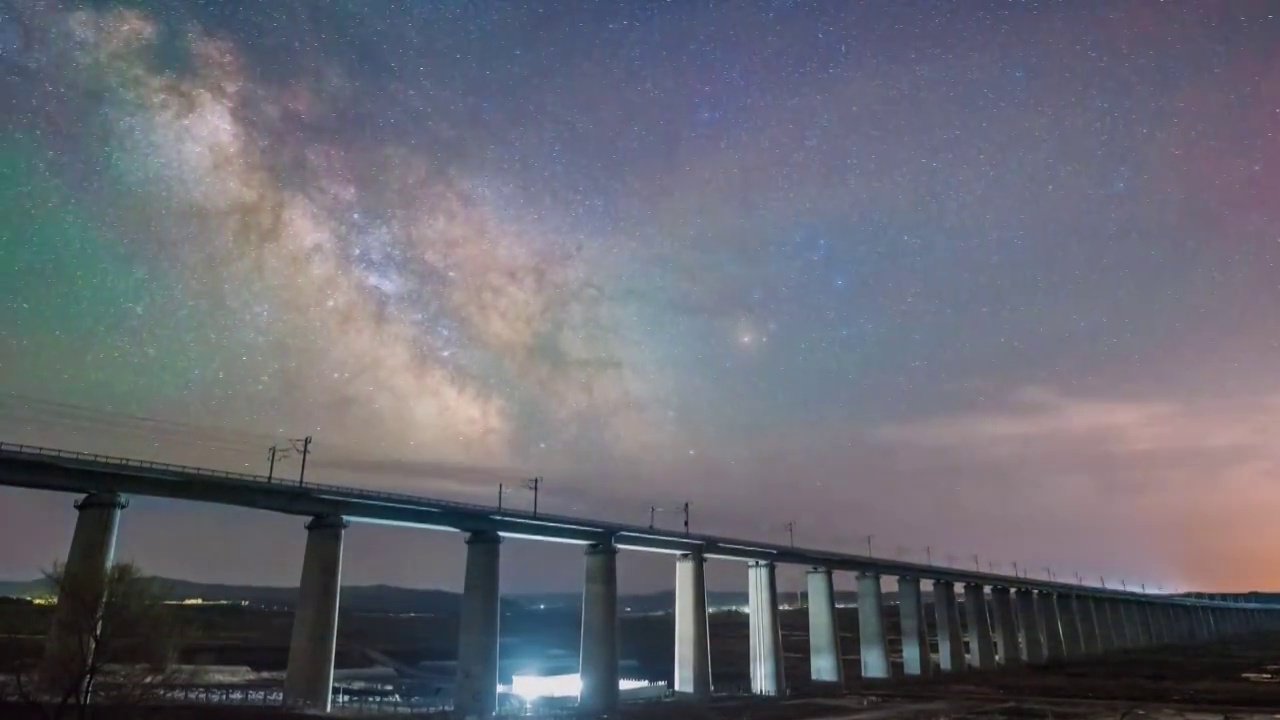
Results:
[1051, 626]
[765, 633]
[947, 616]
[693, 645]
[308, 679]
[598, 665]
[1119, 628]
[1004, 628]
[875, 649]
[825, 665]
[476, 692]
[1029, 630]
[982, 651]
[1069, 616]
[68, 647]
[1107, 638]
[1183, 628]
[1207, 630]
[1151, 624]
[1133, 616]
[1090, 633]
[915, 634]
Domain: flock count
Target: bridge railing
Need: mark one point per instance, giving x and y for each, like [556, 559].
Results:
[128, 462]
[209, 473]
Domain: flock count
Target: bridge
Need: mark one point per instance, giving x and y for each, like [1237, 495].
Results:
[1010, 620]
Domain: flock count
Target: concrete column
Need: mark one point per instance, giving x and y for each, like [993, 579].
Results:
[68, 647]
[1177, 624]
[1050, 626]
[1187, 621]
[982, 652]
[1210, 628]
[766, 636]
[599, 656]
[308, 677]
[1005, 629]
[693, 645]
[1129, 632]
[765, 633]
[825, 665]
[1132, 620]
[875, 649]
[1190, 624]
[1029, 631]
[1106, 628]
[1072, 642]
[947, 616]
[476, 691]
[1155, 624]
[915, 634]
[1180, 620]
[1107, 607]
[1133, 617]
[1090, 630]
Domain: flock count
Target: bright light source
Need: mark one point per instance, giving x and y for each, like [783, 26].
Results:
[532, 687]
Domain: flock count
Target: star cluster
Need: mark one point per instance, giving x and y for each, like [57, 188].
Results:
[961, 264]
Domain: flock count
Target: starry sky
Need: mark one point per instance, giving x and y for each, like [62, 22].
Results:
[991, 278]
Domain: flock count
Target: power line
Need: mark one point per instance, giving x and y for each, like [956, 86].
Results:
[43, 415]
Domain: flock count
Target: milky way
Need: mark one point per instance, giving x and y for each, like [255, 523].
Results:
[998, 278]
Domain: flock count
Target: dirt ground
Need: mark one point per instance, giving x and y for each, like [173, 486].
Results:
[1235, 679]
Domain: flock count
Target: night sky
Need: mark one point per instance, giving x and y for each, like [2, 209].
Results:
[995, 278]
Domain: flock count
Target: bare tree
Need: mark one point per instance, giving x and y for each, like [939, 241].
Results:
[113, 642]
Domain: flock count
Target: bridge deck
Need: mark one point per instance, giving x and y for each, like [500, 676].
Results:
[41, 468]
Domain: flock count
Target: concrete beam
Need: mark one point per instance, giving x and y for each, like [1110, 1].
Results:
[825, 664]
[693, 646]
[598, 666]
[915, 639]
[982, 652]
[308, 678]
[476, 692]
[875, 648]
[764, 631]
[947, 617]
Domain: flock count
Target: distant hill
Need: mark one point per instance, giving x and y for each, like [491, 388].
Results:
[355, 598]
[397, 600]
